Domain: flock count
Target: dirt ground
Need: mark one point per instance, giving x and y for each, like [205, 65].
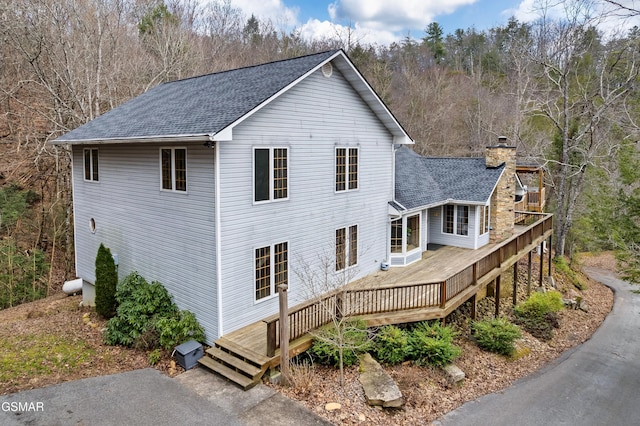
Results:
[425, 390]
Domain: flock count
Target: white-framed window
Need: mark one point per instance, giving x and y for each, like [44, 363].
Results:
[271, 269]
[270, 174]
[346, 247]
[173, 169]
[455, 219]
[91, 164]
[405, 233]
[347, 169]
[484, 219]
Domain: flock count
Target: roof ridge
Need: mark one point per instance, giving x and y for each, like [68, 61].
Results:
[250, 66]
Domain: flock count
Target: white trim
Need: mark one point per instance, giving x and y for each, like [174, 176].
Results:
[455, 220]
[346, 175]
[271, 174]
[347, 246]
[218, 227]
[173, 169]
[136, 139]
[272, 281]
[84, 164]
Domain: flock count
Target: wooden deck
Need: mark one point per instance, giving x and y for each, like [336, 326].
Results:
[431, 288]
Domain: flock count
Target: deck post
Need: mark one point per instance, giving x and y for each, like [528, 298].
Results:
[443, 294]
[541, 261]
[474, 306]
[475, 273]
[515, 283]
[549, 245]
[271, 338]
[529, 274]
[497, 296]
[284, 332]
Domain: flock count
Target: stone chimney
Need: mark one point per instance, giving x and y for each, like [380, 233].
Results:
[503, 198]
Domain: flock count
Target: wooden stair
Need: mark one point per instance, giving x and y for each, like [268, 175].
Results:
[236, 363]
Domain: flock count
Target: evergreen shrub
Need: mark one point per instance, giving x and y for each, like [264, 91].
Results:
[497, 335]
[432, 344]
[106, 283]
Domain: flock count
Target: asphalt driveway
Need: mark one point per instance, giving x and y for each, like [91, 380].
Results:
[596, 383]
[147, 397]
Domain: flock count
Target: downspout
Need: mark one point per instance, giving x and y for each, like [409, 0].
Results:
[216, 155]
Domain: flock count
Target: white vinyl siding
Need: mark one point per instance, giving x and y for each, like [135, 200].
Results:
[165, 238]
[437, 223]
[311, 120]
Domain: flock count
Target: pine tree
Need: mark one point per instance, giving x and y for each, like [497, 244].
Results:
[106, 282]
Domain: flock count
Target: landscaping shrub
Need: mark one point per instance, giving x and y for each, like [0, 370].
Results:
[539, 314]
[497, 335]
[106, 283]
[391, 345]
[350, 335]
[432, 344]
[147, 318]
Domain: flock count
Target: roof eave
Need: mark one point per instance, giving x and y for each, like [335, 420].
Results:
[137, 139]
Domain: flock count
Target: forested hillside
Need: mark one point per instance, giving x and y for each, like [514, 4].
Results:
[562, 90]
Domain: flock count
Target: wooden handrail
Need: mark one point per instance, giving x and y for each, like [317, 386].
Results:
[347, 301]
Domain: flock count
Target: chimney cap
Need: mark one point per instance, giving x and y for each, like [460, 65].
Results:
[502, 141]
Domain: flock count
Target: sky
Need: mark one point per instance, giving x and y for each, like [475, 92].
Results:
[385, 21]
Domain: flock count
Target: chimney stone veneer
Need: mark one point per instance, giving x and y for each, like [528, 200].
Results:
[503, 198]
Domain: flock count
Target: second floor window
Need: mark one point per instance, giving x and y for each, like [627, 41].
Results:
[173, 162]
[270, 174]
[91, 164]
[346, 169]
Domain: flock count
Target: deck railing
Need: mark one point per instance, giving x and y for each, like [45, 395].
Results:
[532, 201]
[351, 301]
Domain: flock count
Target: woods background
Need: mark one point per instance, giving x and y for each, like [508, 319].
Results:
[564, 91]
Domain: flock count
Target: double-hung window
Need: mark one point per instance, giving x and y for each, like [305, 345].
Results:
[91, 164]
[455, 219]
[173, 165]
[346, 247]
[484, 219]
[346, 169]
[409, 230]
[270, 174]
[271, 269]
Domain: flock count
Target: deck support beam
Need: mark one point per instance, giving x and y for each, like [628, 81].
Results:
[497, 296]
[515, 284]
[541, 262]
[529, 273]
[549, 245]
[474, 306]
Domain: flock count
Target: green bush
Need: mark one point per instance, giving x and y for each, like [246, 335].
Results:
[147, 318]
[351, 335]
[179, 328]
[432, 344]
[497, 335]
[540, 304]
[539, 314]
[22, 274]
[106, 283]
[392, 345]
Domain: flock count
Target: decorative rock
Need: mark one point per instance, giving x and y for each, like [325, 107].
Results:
[362, 417]
[332, 406]
[454, 374]
[379, 387]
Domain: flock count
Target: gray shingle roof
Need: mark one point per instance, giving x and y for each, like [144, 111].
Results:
[196, 106]
[424, 181]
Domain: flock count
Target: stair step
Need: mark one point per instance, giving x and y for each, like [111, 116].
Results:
[243, 381]
[242, 351]
[230, 359]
